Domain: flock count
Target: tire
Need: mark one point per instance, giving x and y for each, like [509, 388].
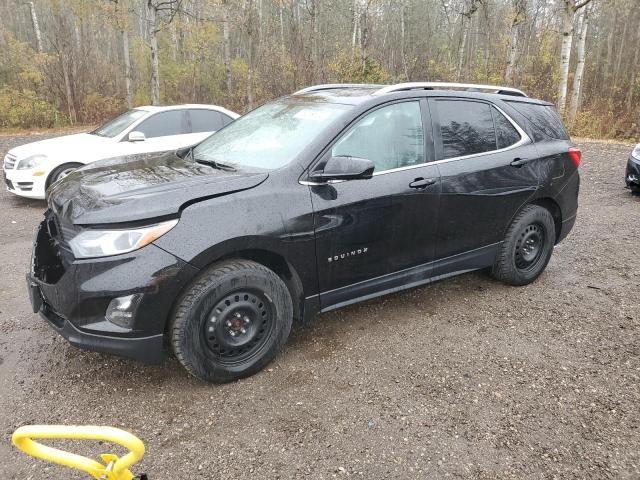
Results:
[527, 247]
[62, 171]
[231, 322]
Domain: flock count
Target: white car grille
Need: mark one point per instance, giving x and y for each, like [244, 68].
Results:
[9, 162]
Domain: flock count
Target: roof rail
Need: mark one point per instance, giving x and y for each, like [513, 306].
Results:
[335, 86]
[449, 86]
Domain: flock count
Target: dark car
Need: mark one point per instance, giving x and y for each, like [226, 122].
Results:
[632, 173]
[331, 196]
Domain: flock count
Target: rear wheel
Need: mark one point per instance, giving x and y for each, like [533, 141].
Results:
[232, 321]
[527, 246]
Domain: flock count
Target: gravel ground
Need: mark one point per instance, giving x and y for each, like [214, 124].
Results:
[466, 378]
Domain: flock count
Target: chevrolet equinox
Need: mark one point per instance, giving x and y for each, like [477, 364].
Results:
[330, 196]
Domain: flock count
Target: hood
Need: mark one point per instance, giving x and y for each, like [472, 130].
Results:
[140, 187]
[66, 145]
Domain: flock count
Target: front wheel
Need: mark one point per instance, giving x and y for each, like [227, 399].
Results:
[232, 321]
[527, 247]
[62, 171]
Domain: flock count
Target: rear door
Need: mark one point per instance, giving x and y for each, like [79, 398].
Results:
[378, 234]
[488, 171]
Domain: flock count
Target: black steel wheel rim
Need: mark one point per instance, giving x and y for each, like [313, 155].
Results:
[530, 246]
[239, 325]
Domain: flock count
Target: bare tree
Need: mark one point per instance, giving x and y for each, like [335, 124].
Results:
[226, 35]
[569, 9]
[519, 15]
[36, 27]
[159, 14]
[576, 93]
[465, 25]
[127, 68]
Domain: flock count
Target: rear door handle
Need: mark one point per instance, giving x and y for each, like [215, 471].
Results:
[518, 162]
[421, 183]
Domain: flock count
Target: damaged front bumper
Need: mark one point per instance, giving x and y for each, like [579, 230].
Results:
[73, 295]
[632, 174]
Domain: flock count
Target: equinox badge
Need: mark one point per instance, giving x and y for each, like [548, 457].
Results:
[352, 253]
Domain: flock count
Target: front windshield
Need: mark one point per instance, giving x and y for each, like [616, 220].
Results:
[119, 124]
[270, 136]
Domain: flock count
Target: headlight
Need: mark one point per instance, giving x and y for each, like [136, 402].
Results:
[102, 243]
[31, 162]
[636, 152]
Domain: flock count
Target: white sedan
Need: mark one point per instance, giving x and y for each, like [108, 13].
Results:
[30, 169]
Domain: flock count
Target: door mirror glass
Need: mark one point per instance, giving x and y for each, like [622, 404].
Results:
[136, 136]
[344, 168]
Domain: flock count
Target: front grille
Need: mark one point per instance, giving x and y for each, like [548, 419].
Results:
[9, 162]
[25, 186]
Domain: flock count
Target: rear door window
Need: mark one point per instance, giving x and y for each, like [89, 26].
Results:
[206, 120]
[172, 122]
[544, 121]
[506, 133]
[466, 128]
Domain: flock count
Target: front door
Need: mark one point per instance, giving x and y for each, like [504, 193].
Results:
[378, 234]
[164, 131]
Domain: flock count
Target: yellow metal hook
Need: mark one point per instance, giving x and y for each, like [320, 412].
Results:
[114, 468]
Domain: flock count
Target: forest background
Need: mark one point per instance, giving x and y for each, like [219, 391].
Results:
[79, 62]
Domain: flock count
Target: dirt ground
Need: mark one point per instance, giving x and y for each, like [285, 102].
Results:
[466, 378]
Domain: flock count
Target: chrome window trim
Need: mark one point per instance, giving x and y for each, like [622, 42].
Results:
[401, 169]
[315, 184]
[524, 140]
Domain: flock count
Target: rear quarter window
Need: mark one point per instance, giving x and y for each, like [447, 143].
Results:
[506, 133]
[544, 121]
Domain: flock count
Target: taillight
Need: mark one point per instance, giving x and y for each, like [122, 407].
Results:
[576, 155]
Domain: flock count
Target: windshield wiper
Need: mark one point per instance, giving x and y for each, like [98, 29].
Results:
[214, 164]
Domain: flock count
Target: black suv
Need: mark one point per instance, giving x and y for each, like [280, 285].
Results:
[333, 195]
[632, 173]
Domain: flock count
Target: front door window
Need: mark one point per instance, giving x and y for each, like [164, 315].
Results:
[391, 137]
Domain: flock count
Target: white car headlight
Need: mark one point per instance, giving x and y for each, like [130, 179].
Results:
[31, 162]
[636, 152]
[102, 243]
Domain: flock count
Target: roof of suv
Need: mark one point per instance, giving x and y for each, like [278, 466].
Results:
[354, 93]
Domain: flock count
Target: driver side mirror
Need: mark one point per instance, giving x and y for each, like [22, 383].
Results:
[344, 168]
[136, 137]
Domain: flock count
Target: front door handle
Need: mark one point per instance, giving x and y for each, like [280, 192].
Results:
[518, 162]
[421, 183]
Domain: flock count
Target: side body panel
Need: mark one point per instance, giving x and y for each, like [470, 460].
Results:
[559, 177]
[372, 228]
[273, 219]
